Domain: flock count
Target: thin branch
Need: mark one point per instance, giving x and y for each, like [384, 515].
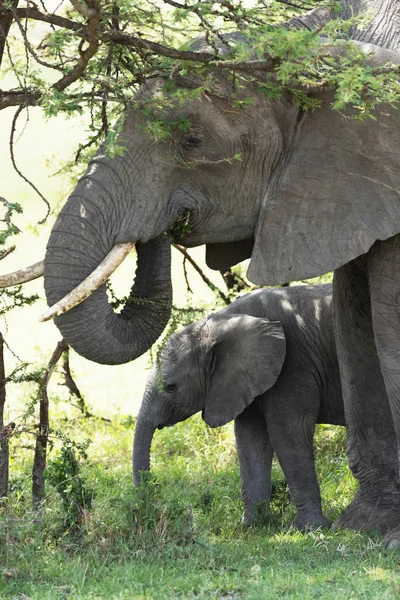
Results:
[204, 277]
[39, 463]
[14, 164]
[93, 30]
[233, 281]
[8, 251]
[73, 388]
[185, 274]
[125, 39]
[4, 458]
[31, 50]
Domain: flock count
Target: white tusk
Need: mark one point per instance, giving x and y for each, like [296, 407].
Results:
[22, 276]
[82, 291]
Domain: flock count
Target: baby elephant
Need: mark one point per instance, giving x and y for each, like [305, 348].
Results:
[268, 361]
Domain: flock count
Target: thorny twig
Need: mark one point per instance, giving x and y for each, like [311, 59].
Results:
[11, 145]
[7, 251]
[74, 390]
[204, 277]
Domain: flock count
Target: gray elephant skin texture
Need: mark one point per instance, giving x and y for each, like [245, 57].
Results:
[268, 361]
[314, 192]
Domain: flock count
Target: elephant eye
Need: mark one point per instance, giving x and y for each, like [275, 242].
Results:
[170, 387]
[192, 141]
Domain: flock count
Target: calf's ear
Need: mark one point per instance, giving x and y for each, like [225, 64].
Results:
[245, 360]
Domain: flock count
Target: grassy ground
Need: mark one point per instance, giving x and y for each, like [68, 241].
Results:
[181, 536]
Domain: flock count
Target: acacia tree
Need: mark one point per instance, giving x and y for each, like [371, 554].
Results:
[93, 54]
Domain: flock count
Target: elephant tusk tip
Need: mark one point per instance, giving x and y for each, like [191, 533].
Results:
[52, 312]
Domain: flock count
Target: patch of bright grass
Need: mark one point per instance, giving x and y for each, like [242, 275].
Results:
[181, 535]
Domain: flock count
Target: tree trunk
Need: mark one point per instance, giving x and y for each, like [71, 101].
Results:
[4, 459]
[39, 462]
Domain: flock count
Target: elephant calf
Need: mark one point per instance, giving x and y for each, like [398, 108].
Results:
[268, 361]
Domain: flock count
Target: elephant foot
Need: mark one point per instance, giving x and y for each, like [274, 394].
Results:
[304, 522]
[391, 541]
[257, 516]
[368, 516]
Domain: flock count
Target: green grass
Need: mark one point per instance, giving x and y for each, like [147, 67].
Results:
[181, 535]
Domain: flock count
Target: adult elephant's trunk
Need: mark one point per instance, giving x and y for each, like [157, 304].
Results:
[88, 227]
[144, 431]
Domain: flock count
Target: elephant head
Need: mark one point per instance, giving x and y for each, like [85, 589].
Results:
[217, 366]
[314, 190]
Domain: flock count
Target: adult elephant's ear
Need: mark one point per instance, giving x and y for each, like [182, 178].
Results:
[335, 193]
[245, 358]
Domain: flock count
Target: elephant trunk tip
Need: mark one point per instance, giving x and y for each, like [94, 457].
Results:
[141, 451]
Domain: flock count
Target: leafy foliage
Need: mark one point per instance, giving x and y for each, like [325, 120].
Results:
[11, 298]
[63, 472]
[93, 56]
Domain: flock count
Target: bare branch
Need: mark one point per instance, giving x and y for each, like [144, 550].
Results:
[11, 145]
[30, 48]
[7, 251]
[74, 390]
[39, 463]
[125, 39]
[18, 98]
[22, 276]
[204, 277]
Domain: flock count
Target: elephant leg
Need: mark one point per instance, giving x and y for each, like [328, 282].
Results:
[255, 460]
[384, 278]
[371, 438]
[292, 436]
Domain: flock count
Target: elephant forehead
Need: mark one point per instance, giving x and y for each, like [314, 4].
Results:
[185, 343]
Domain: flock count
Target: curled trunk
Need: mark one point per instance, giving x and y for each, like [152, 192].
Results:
[92, 328]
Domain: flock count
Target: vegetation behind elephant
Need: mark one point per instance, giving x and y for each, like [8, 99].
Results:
[268, 361]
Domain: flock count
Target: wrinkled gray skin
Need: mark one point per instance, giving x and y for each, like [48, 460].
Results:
[313, 192]
[233, 366]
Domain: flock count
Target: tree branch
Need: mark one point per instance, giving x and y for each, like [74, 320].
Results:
[73, 388]
[39, 463]
[204, 277]
[6, 18]
[3, 434]
[35, 14]
[11, 144]
[93, 30]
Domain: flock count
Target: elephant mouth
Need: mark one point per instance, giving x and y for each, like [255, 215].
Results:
[181, 227]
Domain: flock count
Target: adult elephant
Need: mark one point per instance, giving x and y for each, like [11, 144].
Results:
[313, 192]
